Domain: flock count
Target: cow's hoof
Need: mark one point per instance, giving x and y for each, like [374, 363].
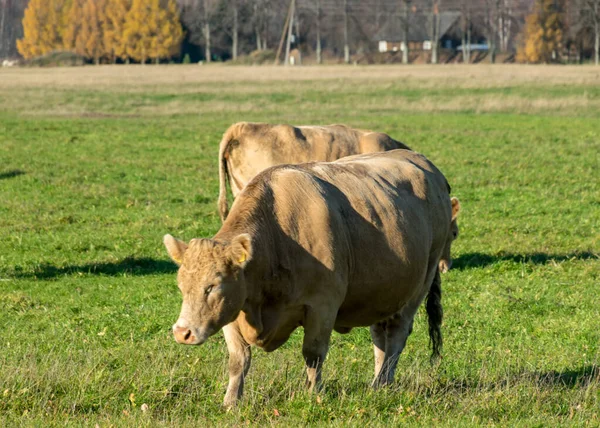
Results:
[230, 404]
[380, 383]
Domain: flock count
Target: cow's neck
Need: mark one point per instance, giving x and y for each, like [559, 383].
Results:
[266, 274]
[262, 271]
[260, 280]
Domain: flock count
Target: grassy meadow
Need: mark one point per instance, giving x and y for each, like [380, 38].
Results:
[98, 163]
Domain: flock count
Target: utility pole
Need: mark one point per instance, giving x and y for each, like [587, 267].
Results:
[435, 30]
[289, 35]
[346, 47]
[405, 25]
[283, 32]
[297, 37]
[319, 58]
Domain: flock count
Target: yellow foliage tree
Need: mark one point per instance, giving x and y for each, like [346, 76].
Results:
[158, 17]
[114, 28]
[152, 31]
[65, 20]
[543, 35]
[169, 33]
[73, 26]
[138, 31]
[41, 28]
[90, 40]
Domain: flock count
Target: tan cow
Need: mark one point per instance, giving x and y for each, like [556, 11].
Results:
[248, 148]
[325, 246]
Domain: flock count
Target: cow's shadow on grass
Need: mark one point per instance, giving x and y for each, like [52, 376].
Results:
[434, 384]
[11, 174]
[129, 266]
[578, 377]
[571, 377]
[477, 260]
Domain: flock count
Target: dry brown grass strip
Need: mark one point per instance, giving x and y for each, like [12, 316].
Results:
[149, 77]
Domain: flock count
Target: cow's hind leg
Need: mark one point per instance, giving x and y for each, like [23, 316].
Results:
[396, 332]
[318, 325]
[396, 329]
[239, 363]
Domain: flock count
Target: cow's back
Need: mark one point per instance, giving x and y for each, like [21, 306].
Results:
[261, 146]
[271, 145]
[248, 148]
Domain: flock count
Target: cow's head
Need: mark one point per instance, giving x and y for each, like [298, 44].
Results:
[446, 260]
[211, 280]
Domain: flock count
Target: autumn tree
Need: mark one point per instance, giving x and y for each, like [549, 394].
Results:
[41, 28]
[90, 40]
[543, 34]
[114, 29]
[65, 18]
[167, 30]
[157, 14]
[152, 31]
[74, 18]
[138, 31]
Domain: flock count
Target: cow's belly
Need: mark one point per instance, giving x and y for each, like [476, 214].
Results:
[367, 304]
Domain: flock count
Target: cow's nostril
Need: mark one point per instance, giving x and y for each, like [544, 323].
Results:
[187, 335]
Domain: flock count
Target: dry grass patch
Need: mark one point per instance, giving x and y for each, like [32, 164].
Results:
[125, 78]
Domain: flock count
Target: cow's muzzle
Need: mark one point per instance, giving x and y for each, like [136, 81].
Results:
[187, 336]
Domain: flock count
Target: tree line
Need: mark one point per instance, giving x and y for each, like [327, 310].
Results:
[141, 30]
[333, 30]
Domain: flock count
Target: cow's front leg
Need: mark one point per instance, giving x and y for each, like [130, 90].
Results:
[318, 326]
[378, 336]
[239, 363]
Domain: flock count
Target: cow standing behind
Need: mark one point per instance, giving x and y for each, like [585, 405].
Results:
[325, 246]
[248, 148]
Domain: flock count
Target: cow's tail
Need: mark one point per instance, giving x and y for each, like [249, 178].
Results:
[223, 176]
[435, 313]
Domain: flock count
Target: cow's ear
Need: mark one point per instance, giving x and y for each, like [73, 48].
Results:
[175, 248]
[455, 208]
[240, 250]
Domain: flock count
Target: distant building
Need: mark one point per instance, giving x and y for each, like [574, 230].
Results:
[391, 36]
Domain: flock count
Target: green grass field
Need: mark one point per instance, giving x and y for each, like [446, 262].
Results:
[98, 163]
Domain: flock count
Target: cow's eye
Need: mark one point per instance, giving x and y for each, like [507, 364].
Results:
[208, 289]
